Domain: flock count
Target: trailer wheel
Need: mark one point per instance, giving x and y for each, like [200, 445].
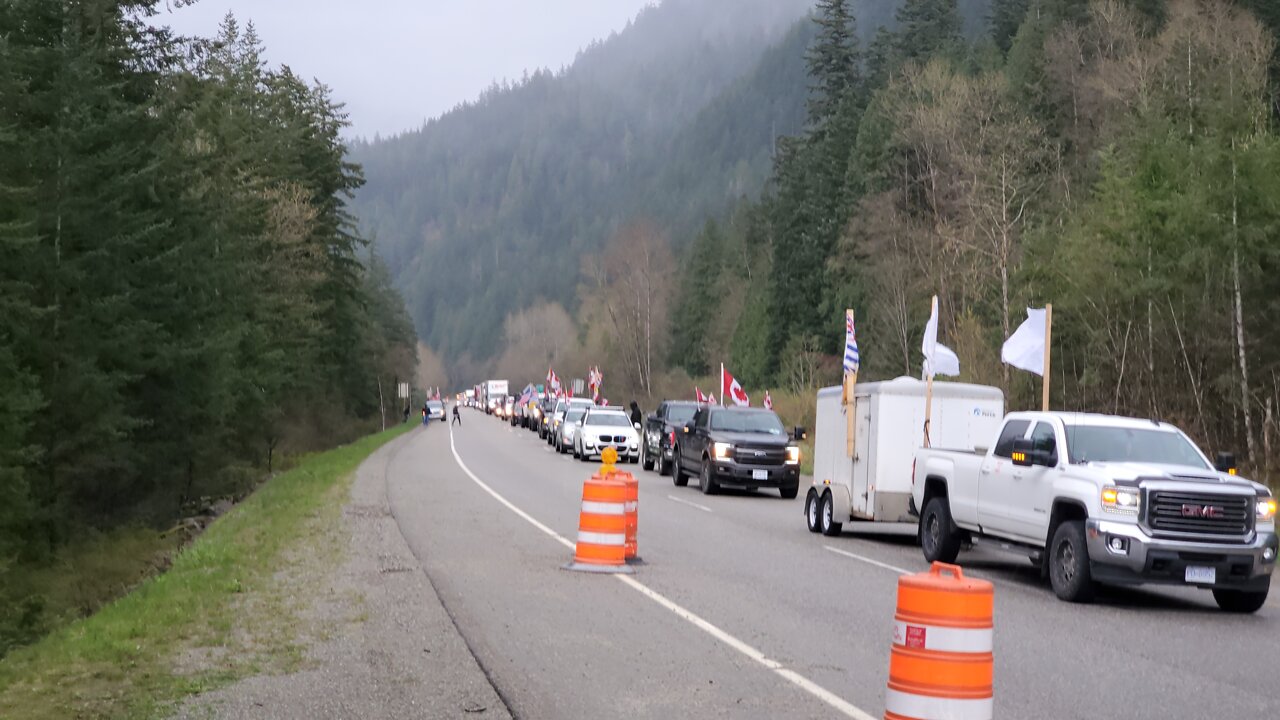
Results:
[827, 524]
[811, 511]
[938, 537]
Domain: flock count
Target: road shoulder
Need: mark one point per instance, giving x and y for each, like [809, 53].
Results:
[383, 645]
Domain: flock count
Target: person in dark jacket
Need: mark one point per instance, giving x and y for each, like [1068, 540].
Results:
[636, 416]
[457, 416]
[426, 414]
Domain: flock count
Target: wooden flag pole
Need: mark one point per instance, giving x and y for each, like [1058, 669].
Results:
[928, 389]
[1048, 354]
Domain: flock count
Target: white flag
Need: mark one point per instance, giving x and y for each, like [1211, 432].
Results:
[1025, 349]
[938, 358]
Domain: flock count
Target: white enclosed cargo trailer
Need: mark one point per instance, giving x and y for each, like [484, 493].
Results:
[873, 482]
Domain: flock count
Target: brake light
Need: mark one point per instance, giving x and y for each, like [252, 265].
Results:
[671, 438]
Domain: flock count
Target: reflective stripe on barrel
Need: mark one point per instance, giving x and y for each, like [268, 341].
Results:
[940, 667]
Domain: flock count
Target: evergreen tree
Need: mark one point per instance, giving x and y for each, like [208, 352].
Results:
[698, 300]
[1005, 17]
[833, 61]
[926, 28]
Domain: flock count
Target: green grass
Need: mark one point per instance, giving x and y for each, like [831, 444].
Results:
[221, 595]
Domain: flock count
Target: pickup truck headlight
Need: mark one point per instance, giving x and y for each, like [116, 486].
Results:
[1121, 501]
[721, 450]
[1266, 509]
[793, 455]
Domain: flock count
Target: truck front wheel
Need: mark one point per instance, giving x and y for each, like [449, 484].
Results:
[939, 538]
[1240, 601]
[1069, 564]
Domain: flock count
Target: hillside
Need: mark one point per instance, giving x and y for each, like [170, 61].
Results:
[487, 209]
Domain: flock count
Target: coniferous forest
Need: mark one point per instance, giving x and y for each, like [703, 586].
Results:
[184, 298]
[1116, 158]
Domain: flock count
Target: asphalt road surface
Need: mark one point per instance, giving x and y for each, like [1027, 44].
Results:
[740, 612]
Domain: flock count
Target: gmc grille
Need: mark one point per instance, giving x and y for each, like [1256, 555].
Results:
[1184, 513]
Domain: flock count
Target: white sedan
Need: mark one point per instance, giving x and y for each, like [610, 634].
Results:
[600, 428]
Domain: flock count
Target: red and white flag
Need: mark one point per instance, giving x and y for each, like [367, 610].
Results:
[731, 389]
[698, 395]
[711, 399]
[553, 381]
[768, 401]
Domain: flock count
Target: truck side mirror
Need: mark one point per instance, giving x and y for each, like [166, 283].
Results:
[688, 427]
[1226, 463]
[799, 433]
[1023, 454]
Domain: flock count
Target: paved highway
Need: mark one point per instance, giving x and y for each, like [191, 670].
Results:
[741, 612]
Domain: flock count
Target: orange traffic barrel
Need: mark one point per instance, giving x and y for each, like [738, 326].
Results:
[941, 664]
[602, 527]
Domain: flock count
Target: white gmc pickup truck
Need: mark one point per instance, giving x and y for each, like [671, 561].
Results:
[1096, 498]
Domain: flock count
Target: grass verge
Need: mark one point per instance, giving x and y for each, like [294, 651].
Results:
[123, 662]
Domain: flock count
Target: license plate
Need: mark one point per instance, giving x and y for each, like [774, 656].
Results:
[759, 474]
[1197, 574]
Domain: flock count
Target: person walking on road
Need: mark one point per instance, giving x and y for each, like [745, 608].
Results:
[457, 416]
[426, 414]
[636, 416]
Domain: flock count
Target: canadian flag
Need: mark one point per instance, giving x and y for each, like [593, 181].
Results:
[553, 381]
[730, 388]
[698, 395]
[768, 401]
[711, 399]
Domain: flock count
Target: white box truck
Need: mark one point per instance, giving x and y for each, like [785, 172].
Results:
[874, 481]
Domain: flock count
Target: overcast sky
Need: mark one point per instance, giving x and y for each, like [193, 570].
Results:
[396, 63]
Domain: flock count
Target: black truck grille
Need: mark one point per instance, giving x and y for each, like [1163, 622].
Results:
[748, 455]
[1199, 513]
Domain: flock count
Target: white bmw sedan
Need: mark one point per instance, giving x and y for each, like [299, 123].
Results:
[600, 428]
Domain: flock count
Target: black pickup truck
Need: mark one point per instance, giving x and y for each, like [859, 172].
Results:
[737, 447]
[658, 440]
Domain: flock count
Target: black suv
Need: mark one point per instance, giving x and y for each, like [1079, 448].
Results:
[660, 430]
[737, 447]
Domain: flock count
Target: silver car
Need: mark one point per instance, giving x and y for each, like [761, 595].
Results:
[569, 428]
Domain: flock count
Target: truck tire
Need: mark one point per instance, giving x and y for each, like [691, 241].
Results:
[789, 492]
[705, 483]
[811, 509]
[647, 462]
[677, 472]
[1240, 601]
[664, 465]
[1069, 564]
[939, 538]
[826, 517]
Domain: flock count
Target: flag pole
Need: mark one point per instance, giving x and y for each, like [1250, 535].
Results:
[1048, 354]
[850, 383]
[928, 388]
[721, 384]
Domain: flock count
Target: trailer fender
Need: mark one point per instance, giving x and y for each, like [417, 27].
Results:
[841, 502]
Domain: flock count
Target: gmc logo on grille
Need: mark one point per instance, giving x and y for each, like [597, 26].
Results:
[1202, 511]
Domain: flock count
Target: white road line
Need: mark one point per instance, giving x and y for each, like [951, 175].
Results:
[703, 508]
[795, 678]
[868, 560]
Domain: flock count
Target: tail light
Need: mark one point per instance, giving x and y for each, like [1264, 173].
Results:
[671, 438]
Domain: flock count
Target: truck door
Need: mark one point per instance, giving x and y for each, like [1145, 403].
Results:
[1030, 498]
[998, 483]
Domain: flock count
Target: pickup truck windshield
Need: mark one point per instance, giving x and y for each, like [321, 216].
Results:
[610, 420]
[747, 422]
[1096, 443]
[680, 414]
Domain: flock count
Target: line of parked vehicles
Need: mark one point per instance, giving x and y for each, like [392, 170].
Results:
[1089, 499]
